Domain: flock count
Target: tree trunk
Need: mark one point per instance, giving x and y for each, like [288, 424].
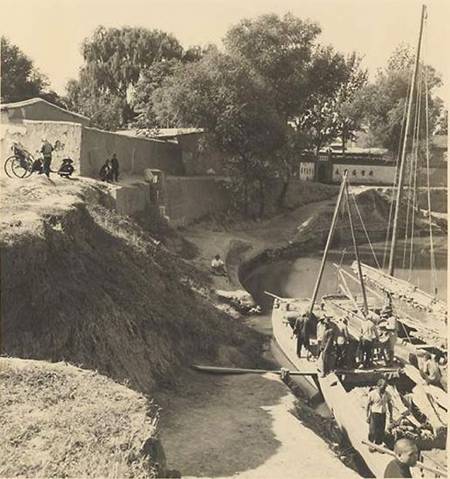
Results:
[262, 198]
[245, 186]
[282, 196]
[245, 196]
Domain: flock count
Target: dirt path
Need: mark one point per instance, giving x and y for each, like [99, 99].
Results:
[241, 426]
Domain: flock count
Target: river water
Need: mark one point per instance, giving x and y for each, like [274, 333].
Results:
[296, 277]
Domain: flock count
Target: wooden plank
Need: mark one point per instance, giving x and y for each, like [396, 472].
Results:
[351, 418]
[282, 333]
[225, 370]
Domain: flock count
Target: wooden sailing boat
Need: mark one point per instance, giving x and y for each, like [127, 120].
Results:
[345, 390]
[415, 402]
[432, 310]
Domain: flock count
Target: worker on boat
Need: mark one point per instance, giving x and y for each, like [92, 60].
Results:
[327, 344]
[368, 336]
[342, 338]
[299, 332]
[388, 336]
[378, 404]
[309, 330]
[430, 370]
[406, 455]
[320, 330]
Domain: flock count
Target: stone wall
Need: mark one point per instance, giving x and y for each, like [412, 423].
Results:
[190, 198]
[30, 133]
[134, 154]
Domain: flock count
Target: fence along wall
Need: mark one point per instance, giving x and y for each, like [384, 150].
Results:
[134, 154]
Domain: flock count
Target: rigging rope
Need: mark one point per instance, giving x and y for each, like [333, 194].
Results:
[344, 251]
[392, 202]
[410, 179]
[365, 231]
[414, 192]
[427, 153]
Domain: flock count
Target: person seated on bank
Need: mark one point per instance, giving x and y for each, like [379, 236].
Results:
[106, 172]
[406, 455]
[218, 266]
[430, 370]
[379, 402]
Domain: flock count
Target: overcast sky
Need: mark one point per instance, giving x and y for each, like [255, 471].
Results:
[51, 31]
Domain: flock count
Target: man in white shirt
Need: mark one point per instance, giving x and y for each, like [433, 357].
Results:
[379, 403]
[389, 331]
[368, 334]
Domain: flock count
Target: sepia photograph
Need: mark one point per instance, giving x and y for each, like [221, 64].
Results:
[224, 239]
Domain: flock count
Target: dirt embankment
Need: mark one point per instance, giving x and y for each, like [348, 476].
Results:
[61, 421]
[82, 284]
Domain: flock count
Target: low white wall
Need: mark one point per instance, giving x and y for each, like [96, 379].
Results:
[365, 174]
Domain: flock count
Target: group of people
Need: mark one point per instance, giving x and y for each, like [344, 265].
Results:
[335, 348]
[109, 171]
[43, 165]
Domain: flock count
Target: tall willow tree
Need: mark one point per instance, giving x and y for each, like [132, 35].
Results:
[114, 61]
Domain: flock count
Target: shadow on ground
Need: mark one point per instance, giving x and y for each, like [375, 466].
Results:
[217, 426]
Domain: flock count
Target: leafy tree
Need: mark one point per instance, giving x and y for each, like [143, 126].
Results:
[442, 123]
[20, 80]
[103, 108]
[151, 79]
[384, 100]
[225, 96]
[114, 61]
[327, 110]
[279, 49]
[350, 113]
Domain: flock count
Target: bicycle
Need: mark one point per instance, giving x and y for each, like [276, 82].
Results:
[20, 163]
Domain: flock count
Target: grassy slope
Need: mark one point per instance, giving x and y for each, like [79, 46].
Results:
[61, 421]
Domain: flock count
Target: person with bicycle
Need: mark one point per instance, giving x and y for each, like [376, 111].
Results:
[46, 150]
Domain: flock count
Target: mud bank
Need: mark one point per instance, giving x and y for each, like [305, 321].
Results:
[83, 284]
[311, 235]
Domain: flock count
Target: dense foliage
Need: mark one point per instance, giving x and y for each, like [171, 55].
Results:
[20, 80]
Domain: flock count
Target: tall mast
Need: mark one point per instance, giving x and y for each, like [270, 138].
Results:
[403, 153]
[330, 237]
[355, 246]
